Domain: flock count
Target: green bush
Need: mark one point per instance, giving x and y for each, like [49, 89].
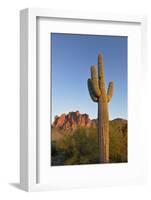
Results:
[53, 148]
[118, 143]
[81, 146]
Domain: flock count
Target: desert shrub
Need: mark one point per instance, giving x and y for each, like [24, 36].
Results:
[81, 147]
[118, 143]
[53, 148]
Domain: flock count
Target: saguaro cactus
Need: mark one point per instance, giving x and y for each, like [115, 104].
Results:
[96, 86]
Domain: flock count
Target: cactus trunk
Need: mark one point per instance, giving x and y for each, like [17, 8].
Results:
[103, 130]
[96, 86]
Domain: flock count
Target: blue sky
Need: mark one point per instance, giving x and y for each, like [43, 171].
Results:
[72, 56]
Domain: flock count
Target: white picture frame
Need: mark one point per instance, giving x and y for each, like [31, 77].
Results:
[30, 168]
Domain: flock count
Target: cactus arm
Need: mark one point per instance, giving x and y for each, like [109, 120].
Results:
[110, 91]
[91, 92]
[94, 81]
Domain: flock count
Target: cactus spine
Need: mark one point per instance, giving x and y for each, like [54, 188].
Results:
[96, 87]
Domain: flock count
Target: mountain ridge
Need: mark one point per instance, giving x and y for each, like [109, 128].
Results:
[74, 119]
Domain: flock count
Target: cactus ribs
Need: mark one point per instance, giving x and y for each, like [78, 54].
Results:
[96, 87]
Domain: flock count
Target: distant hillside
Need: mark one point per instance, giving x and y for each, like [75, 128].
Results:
[67, 123]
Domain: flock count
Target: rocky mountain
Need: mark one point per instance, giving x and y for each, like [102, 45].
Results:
[72, 120]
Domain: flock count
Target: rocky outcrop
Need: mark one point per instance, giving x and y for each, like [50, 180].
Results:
[73, 120]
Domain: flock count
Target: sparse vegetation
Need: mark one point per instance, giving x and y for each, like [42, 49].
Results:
[81, 147]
